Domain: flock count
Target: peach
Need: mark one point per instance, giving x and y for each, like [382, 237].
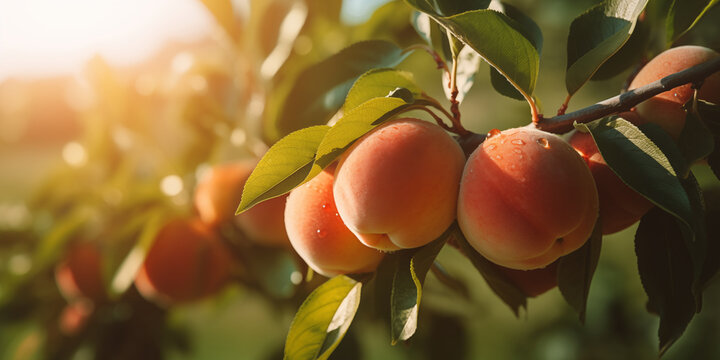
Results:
[217, 197]
[186, 262]
[319, 235]
[526, 199]
[80, 274]
[665, 109]
[620, 206]
[396, 187]
[533, 282]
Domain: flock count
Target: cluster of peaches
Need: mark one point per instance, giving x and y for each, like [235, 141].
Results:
[523, 198]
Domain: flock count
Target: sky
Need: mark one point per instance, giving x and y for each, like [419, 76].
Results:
[48, 37]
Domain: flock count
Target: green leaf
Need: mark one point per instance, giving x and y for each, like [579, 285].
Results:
[323, 319]
[695, 142]
[353, 125]
[710, 114]
[49, 248]
[596, 35]
[285, 166]
[641, 164]
[497, 38]
[505, 289]
[629, 55]
[501, 42]
[714, 159]
[320, 90]
[576, 270]
[379, 83]
[126, 272]
[532, 32]
[683, 16]
[412, 267]
[433, 34]
[502, 86]
[222, 11]
[666, 273]
[712, 257]
[452, 7]
[696, 241]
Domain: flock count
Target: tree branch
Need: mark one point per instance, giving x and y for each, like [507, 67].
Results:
[625, 101]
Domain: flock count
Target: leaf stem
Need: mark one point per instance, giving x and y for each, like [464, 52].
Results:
[441, 64]
[456, 127]
[625, 101]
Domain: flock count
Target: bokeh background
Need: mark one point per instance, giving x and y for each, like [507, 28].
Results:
[111, 110]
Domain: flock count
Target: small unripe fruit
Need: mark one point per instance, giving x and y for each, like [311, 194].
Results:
[526, 199]
[80, 275]
[620, 206]
[217, 197]
[665, 109]
[534, 282]
[396, 187]
[186, 262]
[319, 235]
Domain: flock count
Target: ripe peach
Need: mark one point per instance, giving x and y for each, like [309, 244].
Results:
[620, 206]
[396, 187]
[526, 199]
[186, 262]
[533, 282]
[319, 235]
[665, 109]
[79, 275]
[218, 194]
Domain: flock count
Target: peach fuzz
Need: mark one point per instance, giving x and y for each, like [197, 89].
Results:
[533, 282]
[526, 199]
[186, 262]
[665, 109]
[218, 194]
[79, 275]
[396, 187]
[318, 234]
[620, 206]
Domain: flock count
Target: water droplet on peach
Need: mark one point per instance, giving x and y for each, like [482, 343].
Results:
[493, 132]
[517, 151]
[499, 157]
[543, 142]
[517, 142]
[321, 233]
[492, 147]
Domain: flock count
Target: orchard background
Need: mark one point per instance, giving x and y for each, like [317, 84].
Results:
[108, 153]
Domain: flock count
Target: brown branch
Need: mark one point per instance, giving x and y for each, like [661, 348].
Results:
[625, 101]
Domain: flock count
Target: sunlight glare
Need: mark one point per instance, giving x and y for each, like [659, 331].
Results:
[49, 36]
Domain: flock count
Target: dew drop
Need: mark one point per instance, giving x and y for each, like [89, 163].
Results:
[336, 214]
[498, 156]
[518, 142]
[543, 142]
[325, 206]
[493, 132]
[321, 233]
[512, 166]
[492, 147]
[517, 151]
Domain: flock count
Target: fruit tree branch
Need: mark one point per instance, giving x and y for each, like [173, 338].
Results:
[625, 101]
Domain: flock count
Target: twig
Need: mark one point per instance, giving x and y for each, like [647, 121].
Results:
[625, 101]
